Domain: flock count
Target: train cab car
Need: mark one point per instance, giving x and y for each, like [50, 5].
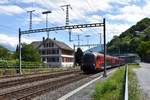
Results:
[94, 62]
[88, 63]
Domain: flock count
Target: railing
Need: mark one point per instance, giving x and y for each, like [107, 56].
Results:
[126, 83]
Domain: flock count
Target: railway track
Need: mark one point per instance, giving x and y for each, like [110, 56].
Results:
[6, 83]
[38, 73]
[30, 90]
[27, 88]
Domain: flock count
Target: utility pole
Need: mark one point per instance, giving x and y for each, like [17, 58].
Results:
[67, 18]
[20, 69]
[104, 31]
[30, 17]
[46, 13]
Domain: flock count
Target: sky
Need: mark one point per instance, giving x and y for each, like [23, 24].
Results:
[119, 14]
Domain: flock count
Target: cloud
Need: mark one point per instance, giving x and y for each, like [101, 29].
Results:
[146, 8]
[94, 19]
[80, 9]
[10, 9]
[3, 1]
[25, 1]
[11, 42]
[115, 29]
[131, 13]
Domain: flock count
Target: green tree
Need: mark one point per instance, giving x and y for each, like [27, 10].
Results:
[131, 38]
[144, 49]
[3, 53]
[78, 56]
[29, 53]
[16, 54]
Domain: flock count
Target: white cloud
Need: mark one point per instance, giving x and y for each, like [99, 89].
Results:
[131, 13]
[25, 1]
[146, 8]
[10, 9]
[11, 42]
[102, 5]
[94, 19]
[80, 10]
[115, 29]
[3, 1]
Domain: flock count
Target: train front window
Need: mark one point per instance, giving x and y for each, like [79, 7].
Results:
[89, 58]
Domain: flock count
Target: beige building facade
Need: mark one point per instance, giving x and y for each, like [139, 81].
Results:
[55, 53]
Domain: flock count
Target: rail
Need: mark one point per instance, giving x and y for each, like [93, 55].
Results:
[126, 83]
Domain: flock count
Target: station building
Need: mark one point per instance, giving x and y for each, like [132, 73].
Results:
[54, 53]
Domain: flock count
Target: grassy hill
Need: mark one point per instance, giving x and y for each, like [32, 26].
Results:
[136, 39]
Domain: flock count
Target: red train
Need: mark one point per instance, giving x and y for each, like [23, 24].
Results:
[94, 62]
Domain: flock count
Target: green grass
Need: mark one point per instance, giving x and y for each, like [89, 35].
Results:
[111, 88]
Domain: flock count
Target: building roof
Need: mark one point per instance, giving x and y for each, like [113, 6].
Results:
[60, 44]
[36, 44]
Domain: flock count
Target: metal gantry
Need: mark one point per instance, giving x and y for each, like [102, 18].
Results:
[85, 45]
[68, 27]
[67, 18]
[30, 23]
[46, 13]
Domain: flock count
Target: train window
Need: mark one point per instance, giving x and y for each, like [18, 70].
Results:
[89, 58]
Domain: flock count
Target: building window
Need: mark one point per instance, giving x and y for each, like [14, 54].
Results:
[54, 51]
[43, 52]
[43, 59]
[66, 59]
[57, 51]
[51, 44]
[67, 52]
[53, 59]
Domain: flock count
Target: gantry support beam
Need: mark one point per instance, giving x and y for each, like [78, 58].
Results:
[63, 28]
[83, 45]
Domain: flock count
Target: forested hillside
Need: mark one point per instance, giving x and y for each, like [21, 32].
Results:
[134, 40]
